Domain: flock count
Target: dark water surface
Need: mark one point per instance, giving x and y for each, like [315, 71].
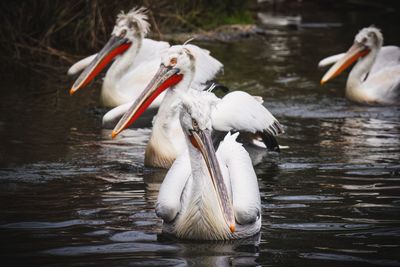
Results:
[69, 195]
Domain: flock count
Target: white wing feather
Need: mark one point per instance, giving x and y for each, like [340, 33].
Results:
[330, 60]
[131, 85]
[242, 112]
[81, 64]
[111, 118]
[169, 198]
[245, 190]
[149, 50]
[135, 80]
[384, 85]
[388, 56]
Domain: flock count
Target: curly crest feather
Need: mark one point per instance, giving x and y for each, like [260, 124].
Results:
[138, 17]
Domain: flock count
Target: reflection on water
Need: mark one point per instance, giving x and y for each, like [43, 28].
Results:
[364, 141]
[69, 193]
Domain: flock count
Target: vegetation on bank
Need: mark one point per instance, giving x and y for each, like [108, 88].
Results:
[45, 30]
[61, 28]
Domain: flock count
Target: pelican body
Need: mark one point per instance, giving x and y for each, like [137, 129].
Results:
[208, 195]
[179, 71]
[375, 78]
[135, 61]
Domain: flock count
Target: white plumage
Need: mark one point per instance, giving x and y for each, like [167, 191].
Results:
[236, 111]
[130, 71]
[207, 65]
[375, 78]
[245, 192]
[240, 111]
[188, 201]
[325, 62]
[131, 84]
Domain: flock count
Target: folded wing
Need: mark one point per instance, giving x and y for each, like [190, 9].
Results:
[244, 185]
[169, 198]
[239, 111]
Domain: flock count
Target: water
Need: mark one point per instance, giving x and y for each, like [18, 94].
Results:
[70, 195]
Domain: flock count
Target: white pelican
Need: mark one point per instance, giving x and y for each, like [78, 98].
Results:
[136, 60]
[236, 111]
[208, 195]
[375, 78]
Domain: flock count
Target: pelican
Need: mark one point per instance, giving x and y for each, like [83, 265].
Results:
[208, 195]
[136, 60]
[237, 111]
[375, 78]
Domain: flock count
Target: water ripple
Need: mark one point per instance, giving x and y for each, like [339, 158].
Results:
[131, 236]
[112, 248]
[321, 226]
[348, 258]
[50, 225]
[306, 198]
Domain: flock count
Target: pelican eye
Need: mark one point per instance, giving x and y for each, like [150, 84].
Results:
[173, 61]
[195, 125]
[123, 33]
[364, 40]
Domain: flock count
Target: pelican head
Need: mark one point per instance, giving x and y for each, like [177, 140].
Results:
[367, 40]
[370, 37]
[196, 110]
[177, 66]
[132, 25]
[130, 28]
[195, 118]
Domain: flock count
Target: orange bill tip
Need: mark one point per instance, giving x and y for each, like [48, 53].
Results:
[232, 227]
[113, 134]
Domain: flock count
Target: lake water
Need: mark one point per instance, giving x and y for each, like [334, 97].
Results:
[69, 195]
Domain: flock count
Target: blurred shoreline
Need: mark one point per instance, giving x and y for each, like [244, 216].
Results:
[44, 33]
